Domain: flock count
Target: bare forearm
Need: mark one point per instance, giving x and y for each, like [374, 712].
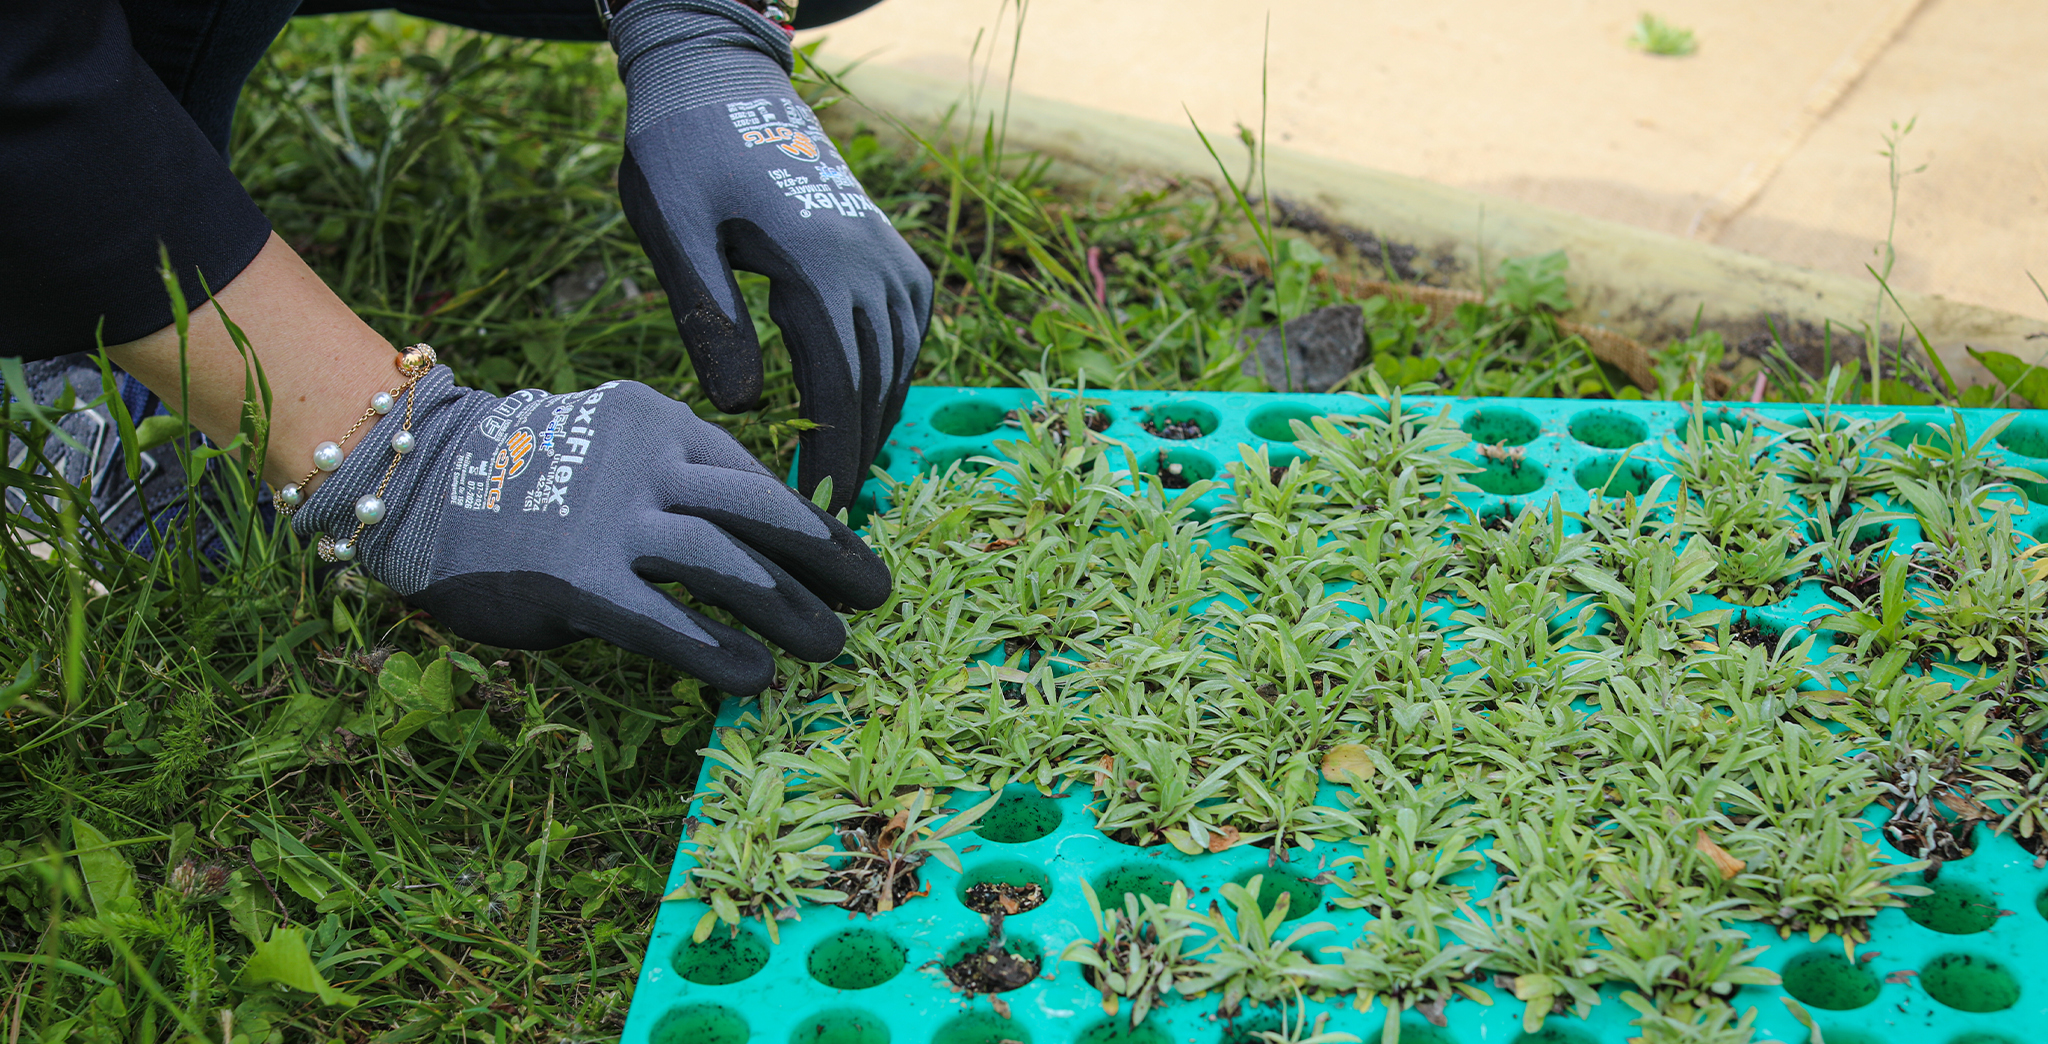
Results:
[322, 362]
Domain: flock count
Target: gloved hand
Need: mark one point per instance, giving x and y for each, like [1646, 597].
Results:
[534, 520]
[726, 168]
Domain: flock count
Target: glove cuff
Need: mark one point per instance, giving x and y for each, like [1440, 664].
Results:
[398, 550]
[685, 54]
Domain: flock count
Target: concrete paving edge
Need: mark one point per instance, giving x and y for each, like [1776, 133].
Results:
[1639, 283]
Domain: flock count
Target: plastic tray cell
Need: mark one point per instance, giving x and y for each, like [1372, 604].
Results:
[1967, 964]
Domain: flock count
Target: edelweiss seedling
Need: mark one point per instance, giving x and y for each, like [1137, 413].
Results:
[1583, 703]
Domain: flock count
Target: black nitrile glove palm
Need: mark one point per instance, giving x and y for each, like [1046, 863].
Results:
[534, 520]
[726, 168]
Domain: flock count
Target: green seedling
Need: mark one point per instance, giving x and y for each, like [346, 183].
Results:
[1247, 961]
[1402, 964]
[1140, 952]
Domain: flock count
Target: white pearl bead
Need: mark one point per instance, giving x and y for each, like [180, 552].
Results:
[402, 443]
[344, 550]
[382, 402]
[370, 509]
[291, 495]
[327, 456]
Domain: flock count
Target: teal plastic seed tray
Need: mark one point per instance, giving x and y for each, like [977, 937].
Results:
[1965, 964]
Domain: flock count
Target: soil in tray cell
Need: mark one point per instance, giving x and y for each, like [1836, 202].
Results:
[1550, 1035]
[993, 963]
[1753, 631]
[1180, 420]
[1004, 888]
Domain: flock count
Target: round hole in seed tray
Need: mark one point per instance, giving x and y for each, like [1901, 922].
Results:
[1970, 982]
[937, 461]
[1180, 467]
[723, 958]
[2035, 491]
[1826, 979]
[855, 959]
[1022, 815]
[1501, 426]
[1607, 429]
[1848, 1036]
[1145, 879]
[1752, 629]
[2041, 904]
[2027, 437]
[883, 458]
[1612, 475]
[1981, 1037]
[972, 964]
[1007, 887]
[967, 418]
[701, 1024]
[1728, 422]
[865, 506]
[1246, 1029]
[1275, 423]
[1180, 420]
[1276, 881]
[1930, 435]
[850, 1026]
[1416, 1031]
[1510, 477]
[1954, 907]
[1555, 1035]
[981, 1027]
[1120, 1031]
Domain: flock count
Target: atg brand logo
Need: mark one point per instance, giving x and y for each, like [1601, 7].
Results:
[511, 459]
[794, 143]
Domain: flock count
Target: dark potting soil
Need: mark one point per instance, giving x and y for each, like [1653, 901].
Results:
[1056, 419]
[1182, 429]
[1748, 632]
[992, 970]
[1279, 474]
[1171, 475]
[992, 897]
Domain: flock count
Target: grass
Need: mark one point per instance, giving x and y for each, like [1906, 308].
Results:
[240, 802]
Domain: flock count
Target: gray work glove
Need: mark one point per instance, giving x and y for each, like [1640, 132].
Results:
[535, 520]
[726, 168]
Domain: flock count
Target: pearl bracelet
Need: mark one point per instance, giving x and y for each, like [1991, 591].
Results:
[414, 363]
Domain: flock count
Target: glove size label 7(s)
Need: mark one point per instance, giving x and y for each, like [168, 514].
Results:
[547, 447]
[793, 131]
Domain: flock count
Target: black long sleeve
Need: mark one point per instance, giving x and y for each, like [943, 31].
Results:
[99, 163]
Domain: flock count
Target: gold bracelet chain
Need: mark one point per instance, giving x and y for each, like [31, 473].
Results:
[414, 363]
